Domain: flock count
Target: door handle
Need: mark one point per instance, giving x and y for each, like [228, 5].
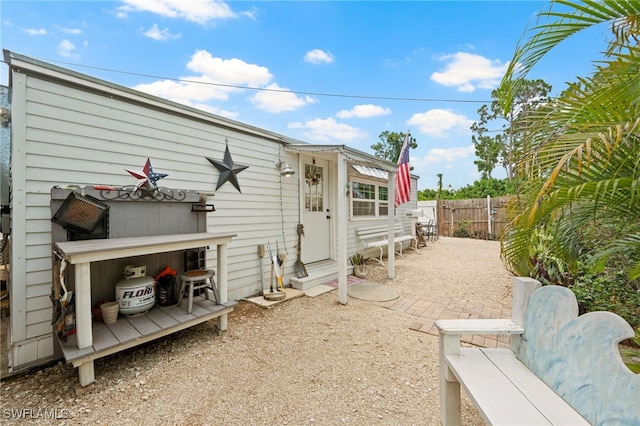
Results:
[328, 215]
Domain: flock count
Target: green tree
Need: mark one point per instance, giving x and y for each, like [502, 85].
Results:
[479, 189]
[427, 194]
[578, 160]
[432, 194]
[531, 96]
[488, 148]
[489, 186]
[390, 145]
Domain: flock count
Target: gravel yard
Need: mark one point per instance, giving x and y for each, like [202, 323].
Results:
[305, 361]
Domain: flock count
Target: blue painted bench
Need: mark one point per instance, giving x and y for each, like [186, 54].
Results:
[560, 369]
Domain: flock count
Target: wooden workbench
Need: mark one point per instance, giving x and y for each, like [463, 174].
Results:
[128, 332]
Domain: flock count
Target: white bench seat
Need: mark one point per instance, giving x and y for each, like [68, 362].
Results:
[377, 237]
[508, 393]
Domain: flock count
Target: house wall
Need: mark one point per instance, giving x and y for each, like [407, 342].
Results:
[5, 158]
[70, 130]
[354, 244]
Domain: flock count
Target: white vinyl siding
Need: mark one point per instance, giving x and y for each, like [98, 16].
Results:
[71, 136]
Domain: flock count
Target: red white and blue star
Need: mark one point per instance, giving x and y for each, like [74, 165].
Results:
[147, 177]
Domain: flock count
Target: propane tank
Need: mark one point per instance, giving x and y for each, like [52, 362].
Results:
[135, 293]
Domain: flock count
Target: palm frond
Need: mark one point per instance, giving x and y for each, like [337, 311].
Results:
[557, 25]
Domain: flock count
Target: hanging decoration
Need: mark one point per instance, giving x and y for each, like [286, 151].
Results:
[313, 176]
[228, 169]
[147, 178]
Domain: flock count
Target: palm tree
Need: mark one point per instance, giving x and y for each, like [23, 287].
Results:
[580, 160]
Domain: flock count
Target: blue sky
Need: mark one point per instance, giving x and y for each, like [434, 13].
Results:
[339, 72]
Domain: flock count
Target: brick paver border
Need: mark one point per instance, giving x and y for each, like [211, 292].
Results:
[428, 309]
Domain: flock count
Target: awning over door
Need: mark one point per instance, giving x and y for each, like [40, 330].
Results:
[371, 171]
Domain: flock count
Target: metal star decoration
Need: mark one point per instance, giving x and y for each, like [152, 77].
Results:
[228, 169]
[147, 177]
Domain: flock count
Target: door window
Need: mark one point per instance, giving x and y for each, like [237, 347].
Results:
[313, 192]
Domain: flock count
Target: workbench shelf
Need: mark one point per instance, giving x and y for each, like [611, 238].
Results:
[130, 331]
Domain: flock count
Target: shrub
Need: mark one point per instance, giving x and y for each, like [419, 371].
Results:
[546, 264]
[609, 291]
[462, 230]
[484, 235]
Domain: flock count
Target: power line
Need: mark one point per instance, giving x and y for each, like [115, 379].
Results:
[264, 89]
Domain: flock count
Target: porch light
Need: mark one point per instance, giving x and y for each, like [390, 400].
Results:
[285, 169]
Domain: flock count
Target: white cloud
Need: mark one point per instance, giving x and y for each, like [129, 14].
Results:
[454, 161]
[199, 11]
[445, 155]
[66, 49]
[364, 111]
[199, 89]
[328, 130]
[317, 56]
[35, 32]
[468, 72]
[440, 123]
[216, 79]
[279, 99]
[189, 94]
[229, 71]
[73, 31]
[157, 34]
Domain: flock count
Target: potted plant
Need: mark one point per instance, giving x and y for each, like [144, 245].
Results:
[357, 260]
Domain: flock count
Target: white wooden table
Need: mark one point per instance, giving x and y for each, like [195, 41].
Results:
[82, 253]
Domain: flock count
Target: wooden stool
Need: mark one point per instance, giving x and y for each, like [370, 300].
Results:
[197, 279]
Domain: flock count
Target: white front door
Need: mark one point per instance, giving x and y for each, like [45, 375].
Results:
[317, 214]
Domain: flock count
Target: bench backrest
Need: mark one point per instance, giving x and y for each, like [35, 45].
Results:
[378, 231]
[578, 357]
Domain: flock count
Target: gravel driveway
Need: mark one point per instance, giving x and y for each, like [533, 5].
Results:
[305, 361]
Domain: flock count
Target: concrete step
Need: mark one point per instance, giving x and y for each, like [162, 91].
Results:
[318, 274]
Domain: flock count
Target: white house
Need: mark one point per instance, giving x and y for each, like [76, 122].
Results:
[74, 134]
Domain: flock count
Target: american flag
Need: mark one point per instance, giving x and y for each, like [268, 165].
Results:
[403, 179]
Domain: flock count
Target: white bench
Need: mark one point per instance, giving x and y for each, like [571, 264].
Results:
[377, 237]
[561, 369]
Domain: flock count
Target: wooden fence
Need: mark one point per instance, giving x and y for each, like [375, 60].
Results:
[478, 216]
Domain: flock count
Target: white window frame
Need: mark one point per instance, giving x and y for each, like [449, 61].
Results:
[377, 202]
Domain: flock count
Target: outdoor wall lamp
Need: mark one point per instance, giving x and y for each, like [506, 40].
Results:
[285, 169]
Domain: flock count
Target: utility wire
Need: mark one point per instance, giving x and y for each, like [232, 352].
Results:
[264, 89]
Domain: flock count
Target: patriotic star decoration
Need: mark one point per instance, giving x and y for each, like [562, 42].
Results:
[228, 169]
[147, 177]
